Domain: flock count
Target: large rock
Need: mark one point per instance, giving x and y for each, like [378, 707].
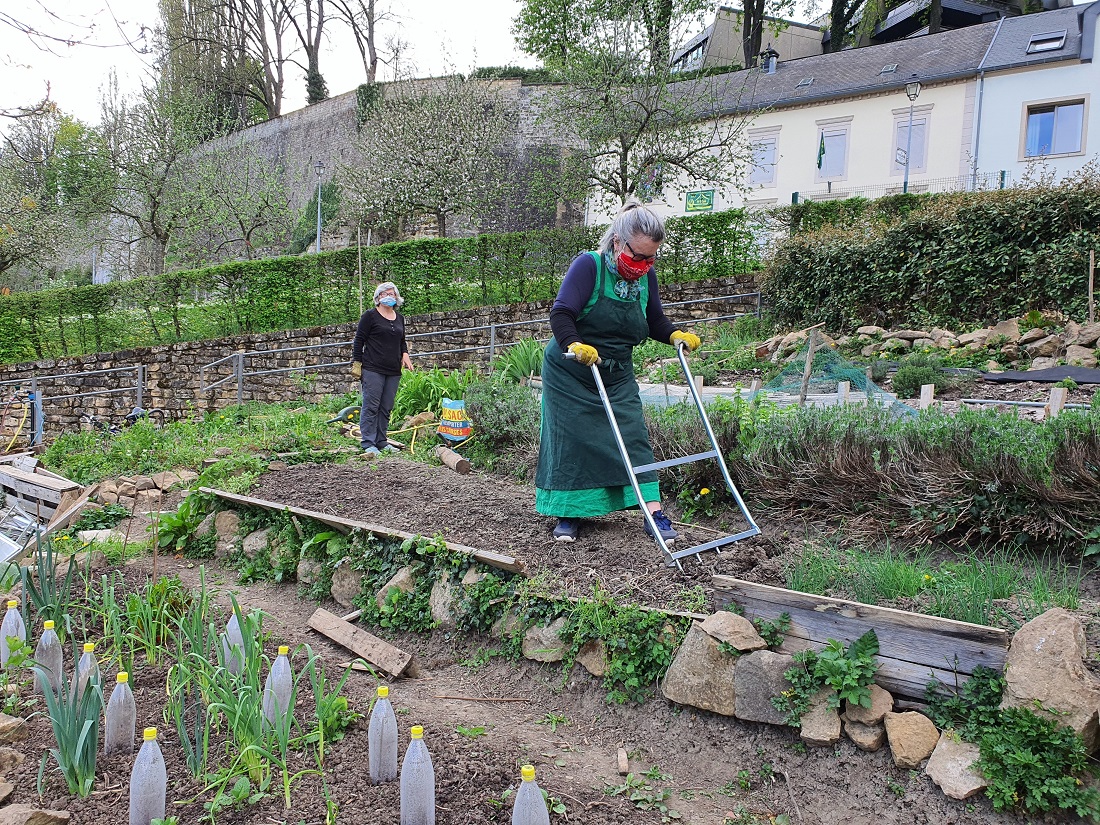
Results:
[593, 657]
[1088, 335]
[309, 571]
[882, 702]
[165, 480]
[865, 737]
[227, 523]
[978, 337]
[12, 729]
[403, 580]
[870, 329]
[30, 815]
[206, 525]
[951, 767]
[9, 760]
[1033, 335]
[441, 601]
[543, 643]
[505, 625]
[895, 345]
[1080, 356]
[756, 679]
[1048, 347]
[912, 738]
[347, 584]
[701, 675]
[472, 577]
[736, 631]
[910, 334]
[6, 790]
[256, 542]
[1042, 364]
[820, 725]
[1008, 331]
[1045, 667]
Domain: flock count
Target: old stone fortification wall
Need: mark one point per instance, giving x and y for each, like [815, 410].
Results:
[176, 374]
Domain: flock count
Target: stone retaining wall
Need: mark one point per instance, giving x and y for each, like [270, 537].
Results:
[174, 374]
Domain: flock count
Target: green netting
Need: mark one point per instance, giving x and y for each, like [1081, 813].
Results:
[828, 369]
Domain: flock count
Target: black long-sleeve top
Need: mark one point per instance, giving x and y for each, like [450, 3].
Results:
[380, 343]
[576, 289]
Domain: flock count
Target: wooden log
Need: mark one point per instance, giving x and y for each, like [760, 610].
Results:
[913, 648]
[927, 395]
[452, 459]
[346, 525]
[382, 654]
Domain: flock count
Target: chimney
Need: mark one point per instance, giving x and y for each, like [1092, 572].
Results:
[770, 58]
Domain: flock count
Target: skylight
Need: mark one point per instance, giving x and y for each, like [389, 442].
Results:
[889, 68]
[806, 81]
[1049, 42]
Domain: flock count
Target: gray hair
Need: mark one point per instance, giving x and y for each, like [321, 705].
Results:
[634, 219]
[378, 290]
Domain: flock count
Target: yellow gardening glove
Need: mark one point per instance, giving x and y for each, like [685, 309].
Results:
[356, 369]
[584, 354]
[690, 339]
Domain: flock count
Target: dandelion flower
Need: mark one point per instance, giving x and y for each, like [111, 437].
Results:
[705, 491]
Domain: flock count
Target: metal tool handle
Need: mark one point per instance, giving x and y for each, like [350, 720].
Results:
[573, 357]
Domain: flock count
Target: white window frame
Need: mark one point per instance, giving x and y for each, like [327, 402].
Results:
[918, 164]
[834, 126]
[1030, 105]
[763, 136]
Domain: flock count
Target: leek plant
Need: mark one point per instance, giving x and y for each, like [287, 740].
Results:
[75, 723]
[49, 595]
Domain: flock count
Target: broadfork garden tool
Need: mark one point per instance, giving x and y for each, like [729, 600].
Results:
[671, 557]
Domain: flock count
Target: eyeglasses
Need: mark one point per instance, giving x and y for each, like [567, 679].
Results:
[634, 256]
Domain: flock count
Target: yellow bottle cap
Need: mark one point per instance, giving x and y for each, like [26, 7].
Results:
[12, 604]
[48, 624]
[283, 650]
[417, 732]
[528, 773]
[149, 734]
[383, 692]
[89, 647]
[123, 677]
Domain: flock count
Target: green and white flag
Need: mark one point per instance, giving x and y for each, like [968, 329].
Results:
[821, 151]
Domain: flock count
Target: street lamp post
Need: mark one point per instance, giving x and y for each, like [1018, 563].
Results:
[320, 167]
[912, 91]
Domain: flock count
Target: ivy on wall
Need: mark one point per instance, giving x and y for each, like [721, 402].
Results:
[294, 292]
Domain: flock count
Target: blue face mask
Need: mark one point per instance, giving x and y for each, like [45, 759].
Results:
[389, 302]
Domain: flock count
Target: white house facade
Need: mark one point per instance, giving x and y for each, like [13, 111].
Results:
[994, 100]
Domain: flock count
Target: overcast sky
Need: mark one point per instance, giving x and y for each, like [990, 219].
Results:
[442, 35]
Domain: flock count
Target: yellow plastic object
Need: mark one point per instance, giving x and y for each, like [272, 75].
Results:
[123, 677]
[283, 650]
[48, 624]
[12, 604]
[417, 732]
[89, 647]
[528, 773]
[383, 692]
[149, 734]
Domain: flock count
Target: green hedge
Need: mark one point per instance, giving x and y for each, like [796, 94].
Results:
[947, 259]
[315, 290]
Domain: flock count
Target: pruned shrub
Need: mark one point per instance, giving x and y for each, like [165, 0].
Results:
[910, 378]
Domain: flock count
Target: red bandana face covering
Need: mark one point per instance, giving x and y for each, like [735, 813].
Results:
[629, 269]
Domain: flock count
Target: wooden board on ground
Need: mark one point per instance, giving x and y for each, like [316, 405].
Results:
[71, 505]
[50, 482]
[913, 648]
[346, 525]
[372, 649]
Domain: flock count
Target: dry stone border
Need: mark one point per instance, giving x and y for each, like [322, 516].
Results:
[723, 666]
[142, 492]
[1076, 344]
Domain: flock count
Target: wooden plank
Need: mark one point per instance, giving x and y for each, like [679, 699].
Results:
[66, 514]
[927, 395]
[346, 525]
[1057, 403]
[912, 647]
[382, 654]
[30, 493]
[40, 480]
[13, 458]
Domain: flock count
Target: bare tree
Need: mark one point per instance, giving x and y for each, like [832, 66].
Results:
[363, 17]
[311, 13]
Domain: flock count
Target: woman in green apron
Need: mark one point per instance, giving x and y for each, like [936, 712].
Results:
[607, 305]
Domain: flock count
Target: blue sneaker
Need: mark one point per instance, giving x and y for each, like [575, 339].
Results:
[372, 452]
[566, 530]
[664, 524]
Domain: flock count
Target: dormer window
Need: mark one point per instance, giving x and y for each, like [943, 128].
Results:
[1049, 42]
[889, 68]
[806, 81]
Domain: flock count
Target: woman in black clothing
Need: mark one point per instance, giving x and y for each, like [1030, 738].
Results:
[378, 355]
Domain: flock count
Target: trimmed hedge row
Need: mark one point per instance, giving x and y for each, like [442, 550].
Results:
[937, 259]
[314, 290]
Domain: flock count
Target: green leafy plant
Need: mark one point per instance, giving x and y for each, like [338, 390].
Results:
[552, 720]
[474, 732]
[176, 529]
[705, 502]
[644, 796]
[332, 712]
[774, 630]
[849, 671]
[100, 518]
[520, 360]
[50, 594]
[75, 723]
[909, 379]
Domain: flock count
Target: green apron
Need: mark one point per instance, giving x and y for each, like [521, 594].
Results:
[580, 472]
